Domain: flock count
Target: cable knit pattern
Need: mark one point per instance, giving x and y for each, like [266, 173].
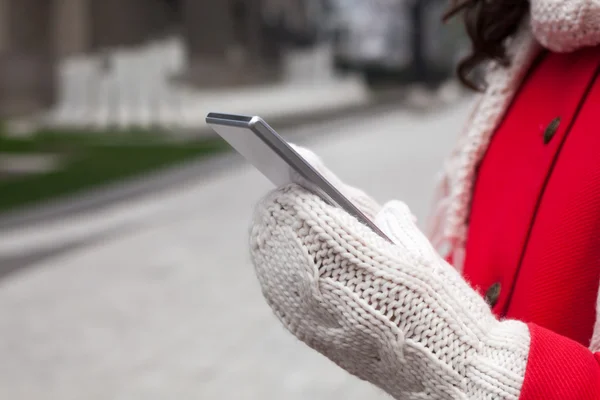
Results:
[566, 25]
[396, 315]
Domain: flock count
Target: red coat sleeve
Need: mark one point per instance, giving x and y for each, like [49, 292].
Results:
[559, 368]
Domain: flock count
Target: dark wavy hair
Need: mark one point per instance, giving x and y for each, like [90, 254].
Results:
[488, 24]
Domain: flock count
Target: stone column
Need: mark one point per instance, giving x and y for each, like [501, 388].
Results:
[72, 27]
[208, 34]
[27, 62]
[226, 45]
[3, 26]
[118, 23]
[263, 50]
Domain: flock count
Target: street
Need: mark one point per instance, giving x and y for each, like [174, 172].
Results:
[155, 298]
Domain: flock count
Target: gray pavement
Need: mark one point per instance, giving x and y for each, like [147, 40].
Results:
[156, 299]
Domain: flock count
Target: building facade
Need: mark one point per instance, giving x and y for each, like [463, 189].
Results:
[225, 41]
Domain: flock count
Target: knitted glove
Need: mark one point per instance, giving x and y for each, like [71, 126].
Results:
[396, 315]
[565, 25]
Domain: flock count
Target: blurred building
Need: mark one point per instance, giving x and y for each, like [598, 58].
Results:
[228, 44]
[227, 41]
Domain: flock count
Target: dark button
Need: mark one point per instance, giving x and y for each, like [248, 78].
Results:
[492, 294]
[551, 130]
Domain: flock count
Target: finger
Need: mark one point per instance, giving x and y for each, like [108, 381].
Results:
[318, 164]
[364, 202]
[369, 206]
[397, 221]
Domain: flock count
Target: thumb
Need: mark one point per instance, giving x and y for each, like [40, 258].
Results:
[363, 201]
[397, 221]
[318, 164]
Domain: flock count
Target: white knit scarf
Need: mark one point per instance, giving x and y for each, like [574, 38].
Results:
[558, 25]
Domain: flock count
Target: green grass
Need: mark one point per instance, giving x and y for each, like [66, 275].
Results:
[92, 159]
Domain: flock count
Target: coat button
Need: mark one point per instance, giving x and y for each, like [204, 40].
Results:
[551, 129]
[492, 294]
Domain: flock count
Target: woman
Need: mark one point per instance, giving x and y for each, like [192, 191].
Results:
[508, 311]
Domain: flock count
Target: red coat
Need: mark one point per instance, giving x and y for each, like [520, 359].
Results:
[533, 245]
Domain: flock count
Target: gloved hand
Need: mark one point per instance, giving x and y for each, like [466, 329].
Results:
[396, 315]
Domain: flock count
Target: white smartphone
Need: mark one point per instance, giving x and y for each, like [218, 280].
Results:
[264, 148]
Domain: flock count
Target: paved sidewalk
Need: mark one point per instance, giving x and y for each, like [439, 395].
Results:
[158, 299]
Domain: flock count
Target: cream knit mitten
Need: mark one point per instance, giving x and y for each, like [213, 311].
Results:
[566, 25]
[396, 315]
